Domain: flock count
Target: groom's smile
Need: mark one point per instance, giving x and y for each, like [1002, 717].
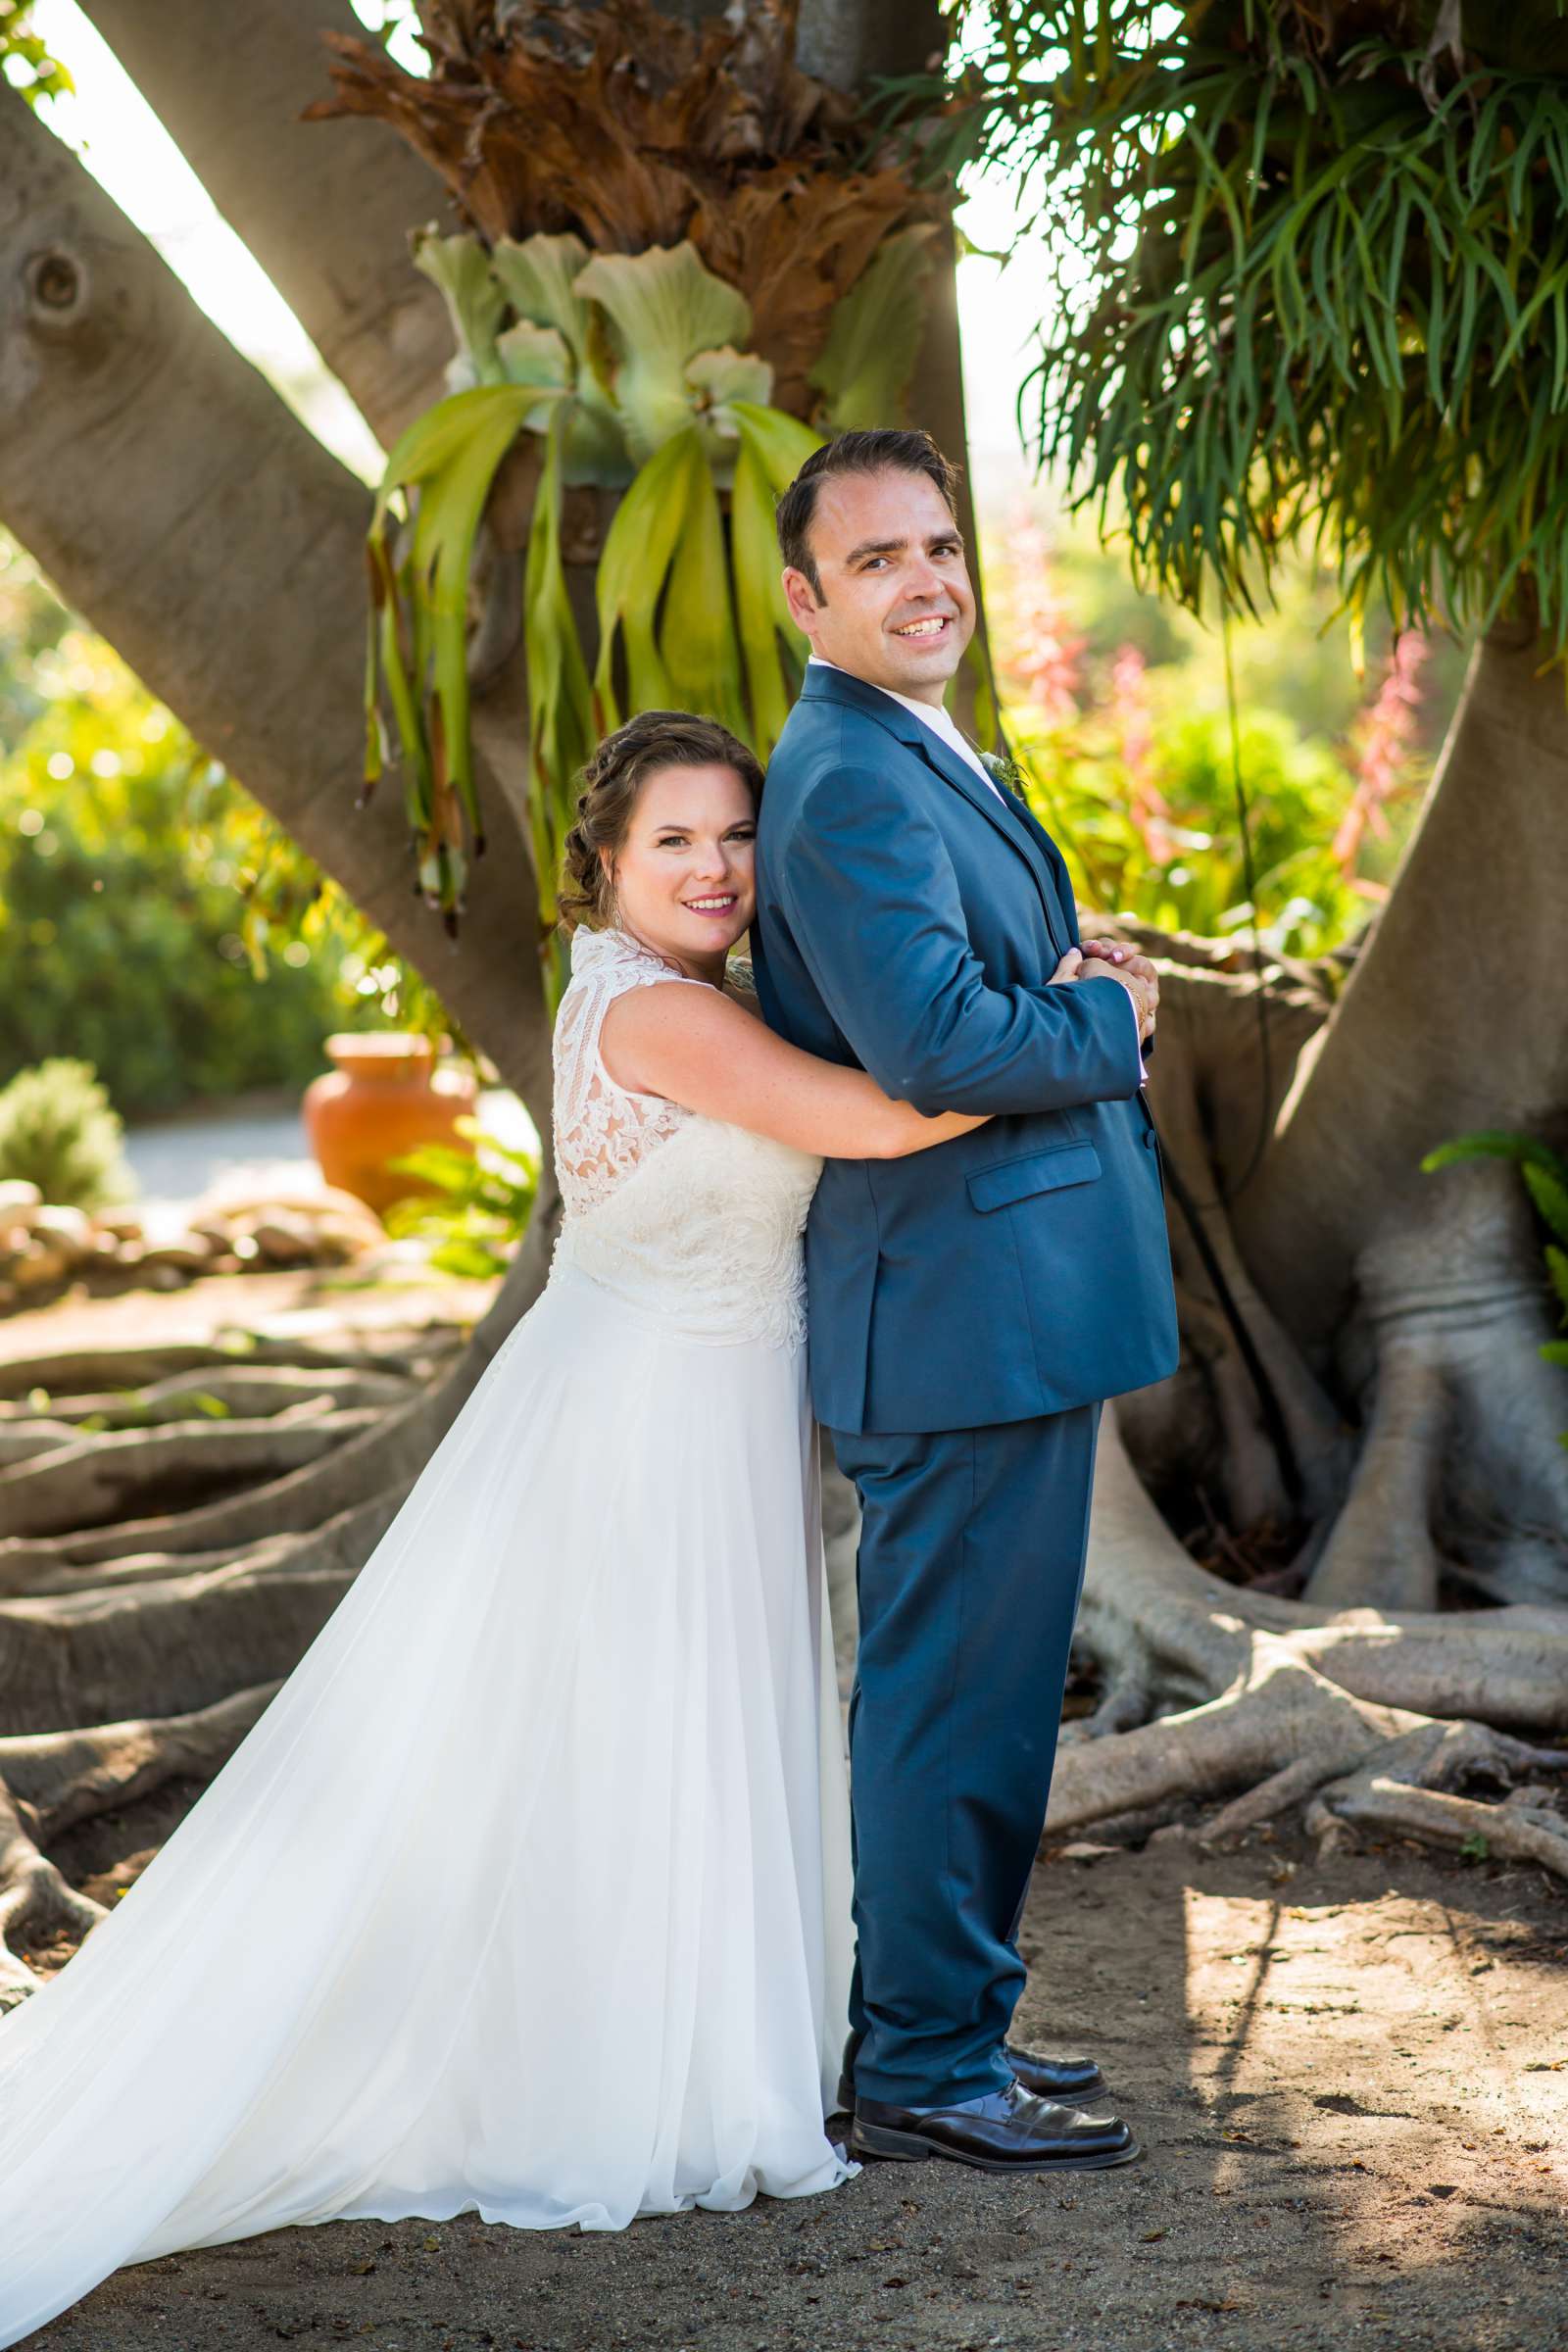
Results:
[890, 599]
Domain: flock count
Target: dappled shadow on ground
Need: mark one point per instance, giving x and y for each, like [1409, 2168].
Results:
[1350, 2079]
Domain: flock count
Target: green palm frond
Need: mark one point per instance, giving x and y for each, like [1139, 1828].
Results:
[1304, 281]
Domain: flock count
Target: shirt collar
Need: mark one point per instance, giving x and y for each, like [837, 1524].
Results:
[935, 715]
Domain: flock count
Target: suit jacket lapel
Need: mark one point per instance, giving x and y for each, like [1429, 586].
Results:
[1037, 833]
[1015, 827]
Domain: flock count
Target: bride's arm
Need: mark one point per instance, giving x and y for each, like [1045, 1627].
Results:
[700, 1048]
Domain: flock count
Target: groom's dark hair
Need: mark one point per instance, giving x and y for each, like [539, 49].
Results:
[881, 449]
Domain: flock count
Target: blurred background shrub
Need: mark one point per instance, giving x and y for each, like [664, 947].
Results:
[59, 1131]
[1118, 710]
[153, 920]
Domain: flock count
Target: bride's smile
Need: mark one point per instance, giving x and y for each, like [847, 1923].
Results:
[684, 876]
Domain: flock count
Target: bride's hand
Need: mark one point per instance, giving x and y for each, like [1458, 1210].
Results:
[1137, 973]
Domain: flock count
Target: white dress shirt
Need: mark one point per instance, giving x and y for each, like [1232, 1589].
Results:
[941, 722]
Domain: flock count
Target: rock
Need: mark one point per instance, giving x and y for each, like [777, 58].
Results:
[230, 1199]
[16, 1193]
[284, 1240]
[67, 1228]
[217, 1229]
[188, 1256]
[41, 1265]
[123, 1224]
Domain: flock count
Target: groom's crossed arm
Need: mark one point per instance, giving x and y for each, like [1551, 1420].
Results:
[872, 900]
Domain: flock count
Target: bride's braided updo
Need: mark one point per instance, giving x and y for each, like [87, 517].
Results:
[611, 784]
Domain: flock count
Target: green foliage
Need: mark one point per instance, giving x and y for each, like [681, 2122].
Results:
[1306, 285]
[631, 368]
[25, 57]
[419, 618]
[1546, 1179]
[58, 1131]
[1187, 873]
[1119, 708]
[154, 921]
[481, 1205]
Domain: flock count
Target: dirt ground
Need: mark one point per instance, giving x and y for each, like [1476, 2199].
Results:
[1351, 2079]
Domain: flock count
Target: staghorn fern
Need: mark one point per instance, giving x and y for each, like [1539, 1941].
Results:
[627, 369]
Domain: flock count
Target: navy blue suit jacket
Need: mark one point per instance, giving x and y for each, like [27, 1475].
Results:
[908, 922]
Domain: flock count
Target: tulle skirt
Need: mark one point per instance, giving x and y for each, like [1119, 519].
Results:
[528, 1894]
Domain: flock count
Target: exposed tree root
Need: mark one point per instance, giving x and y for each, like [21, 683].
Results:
[253, 1393]
[1211, 1692]
[80, 1372]
[49, 1782]
[163, 1638]
[95, 1480]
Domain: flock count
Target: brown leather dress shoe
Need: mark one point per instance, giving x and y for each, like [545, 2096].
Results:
[1069, 2080]
[1011, 2133]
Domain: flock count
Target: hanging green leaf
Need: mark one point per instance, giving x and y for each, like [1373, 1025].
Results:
[864, 367]
[697, 635]
[632, 570]
[756, 605]
[781, 442]
[663, 308]
[450, 455]
[769, 639]
[561, 717]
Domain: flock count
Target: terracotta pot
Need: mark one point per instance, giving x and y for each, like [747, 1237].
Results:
[383, 1097]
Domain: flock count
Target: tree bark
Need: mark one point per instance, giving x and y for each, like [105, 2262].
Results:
[326, 209]
[1452, 1017]
[177, 505]
[1429, 1293]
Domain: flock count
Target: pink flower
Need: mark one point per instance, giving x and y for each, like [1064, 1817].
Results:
[1036, 649]
[1382, 740]
[1147, 804]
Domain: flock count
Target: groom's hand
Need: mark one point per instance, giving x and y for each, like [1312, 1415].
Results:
[1136, 973]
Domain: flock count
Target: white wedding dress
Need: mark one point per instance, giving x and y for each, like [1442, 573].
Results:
[529, 1893]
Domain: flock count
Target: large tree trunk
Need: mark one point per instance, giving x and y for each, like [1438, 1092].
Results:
[1427, 1293]
[325, 212]
[175, 501]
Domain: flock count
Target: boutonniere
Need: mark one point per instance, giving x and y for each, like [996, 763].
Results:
[1005, 768]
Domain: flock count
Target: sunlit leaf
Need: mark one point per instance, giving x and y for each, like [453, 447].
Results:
[632, 570]
[663, 308]
[460, 267]
[561, 718]
[865, 365]
[696, 636]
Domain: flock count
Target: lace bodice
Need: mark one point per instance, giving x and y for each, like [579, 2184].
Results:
[686, 1218]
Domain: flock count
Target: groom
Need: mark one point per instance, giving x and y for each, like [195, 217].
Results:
[970, 1305]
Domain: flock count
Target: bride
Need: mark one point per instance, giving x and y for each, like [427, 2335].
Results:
[529, 1894]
